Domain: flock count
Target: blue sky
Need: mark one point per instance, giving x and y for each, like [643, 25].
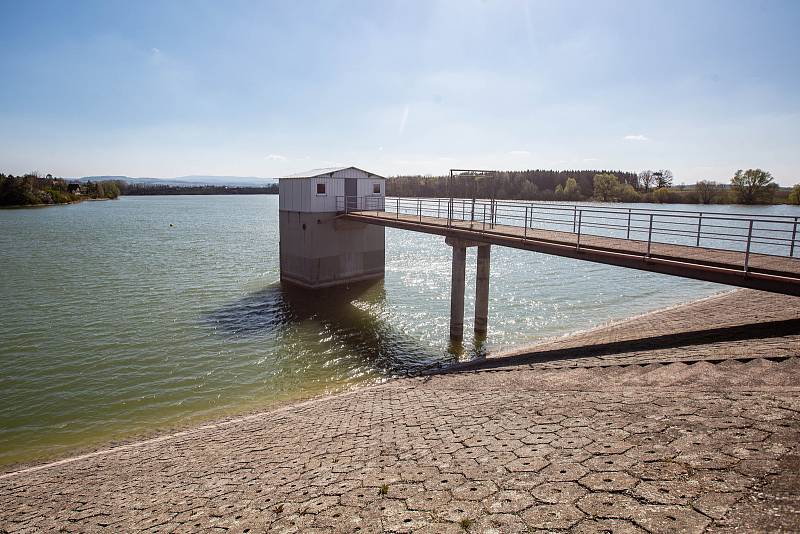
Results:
[267, 88]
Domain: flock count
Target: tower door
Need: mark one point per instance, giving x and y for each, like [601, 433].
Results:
[351, 193]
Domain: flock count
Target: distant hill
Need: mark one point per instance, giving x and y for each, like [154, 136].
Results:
[239, 181]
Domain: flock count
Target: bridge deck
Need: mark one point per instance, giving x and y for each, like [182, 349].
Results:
[769, 273]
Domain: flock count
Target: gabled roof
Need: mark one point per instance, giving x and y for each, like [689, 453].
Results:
[313, 173]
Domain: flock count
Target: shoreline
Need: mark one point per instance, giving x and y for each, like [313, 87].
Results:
[24, 206]
[179, 430]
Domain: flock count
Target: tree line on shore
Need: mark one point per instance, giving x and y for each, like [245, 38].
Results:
[753, 186]
[32, 189]
[163, 189]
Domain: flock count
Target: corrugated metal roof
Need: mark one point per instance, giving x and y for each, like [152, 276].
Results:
[313, 173]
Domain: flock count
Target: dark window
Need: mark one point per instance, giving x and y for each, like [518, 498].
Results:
[376, 188]
[320, 189]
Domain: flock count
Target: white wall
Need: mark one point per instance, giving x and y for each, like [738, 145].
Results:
[300, 194]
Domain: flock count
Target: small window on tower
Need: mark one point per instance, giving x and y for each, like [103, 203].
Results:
[320, 189]
[376, 189]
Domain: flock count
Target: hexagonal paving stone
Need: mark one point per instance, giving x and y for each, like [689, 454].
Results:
[317, 505]
[537, 439]
[609, 462]
[668, 491]
[607, 526]
[716, 505]
[552, 516]
[569, 456]
[707, 460]
[563, 472]
[612, 505]
[527, 451]
[658, 470]
[359, 497]
[445, 481]
[499, 524]
[558, 492]
[570, 442]
[527, 464]
[651, 453]
[428, 500]
[604, 447]
[670, 519]
[508, 501]
[609, 481]
[415, 473]
[406, 521]
[474, 491]
[456, 511]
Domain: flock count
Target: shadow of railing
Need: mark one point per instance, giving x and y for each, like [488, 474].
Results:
[759, 330]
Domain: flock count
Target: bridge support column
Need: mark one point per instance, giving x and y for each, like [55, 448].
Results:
[482, 289]
[457, 290]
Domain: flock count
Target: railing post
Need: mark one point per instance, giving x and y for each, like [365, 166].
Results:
[794, 236]
[699, 225]
[526, 223]
[398, 207]
[419, 209]
[574, 217]
[438, 208]
[747, 251]
[628, 235]
[649, 237]
[578, 246]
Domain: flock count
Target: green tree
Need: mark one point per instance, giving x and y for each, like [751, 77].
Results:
[571, 190]
[606, 187]
[663, 178]
[753, 186]
[794, 195]
[627, 193]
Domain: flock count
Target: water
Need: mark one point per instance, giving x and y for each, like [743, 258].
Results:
[127, 317]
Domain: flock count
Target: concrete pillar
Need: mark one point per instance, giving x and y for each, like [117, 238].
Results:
[457, 290]
[482, 289]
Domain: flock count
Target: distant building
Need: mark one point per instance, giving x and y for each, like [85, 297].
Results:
[74, 189]
[318, 249]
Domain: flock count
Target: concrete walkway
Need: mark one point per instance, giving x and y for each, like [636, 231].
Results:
[632, 428]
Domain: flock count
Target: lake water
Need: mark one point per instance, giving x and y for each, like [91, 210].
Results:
[126, 317]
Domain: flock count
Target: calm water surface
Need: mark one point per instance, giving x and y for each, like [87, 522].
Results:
[125, 317]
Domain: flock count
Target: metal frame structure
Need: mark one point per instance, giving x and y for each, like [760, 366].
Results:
[500, 221]
[474, 173]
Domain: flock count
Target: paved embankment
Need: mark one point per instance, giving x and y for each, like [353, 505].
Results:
[682, 420]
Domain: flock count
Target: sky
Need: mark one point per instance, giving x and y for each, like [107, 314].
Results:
[171, 88]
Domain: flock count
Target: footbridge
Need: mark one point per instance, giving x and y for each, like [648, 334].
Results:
[738, 249]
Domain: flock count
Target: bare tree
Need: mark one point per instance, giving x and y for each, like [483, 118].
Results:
[646, 180]
[706, 191]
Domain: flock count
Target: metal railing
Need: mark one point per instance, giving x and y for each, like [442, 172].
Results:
[350, 204]
[774, 235]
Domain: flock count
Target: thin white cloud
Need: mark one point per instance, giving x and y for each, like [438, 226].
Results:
[636, 137]
[520, 153]
[590, 160]
[155, 51]
[275, 157]
[403, 120]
